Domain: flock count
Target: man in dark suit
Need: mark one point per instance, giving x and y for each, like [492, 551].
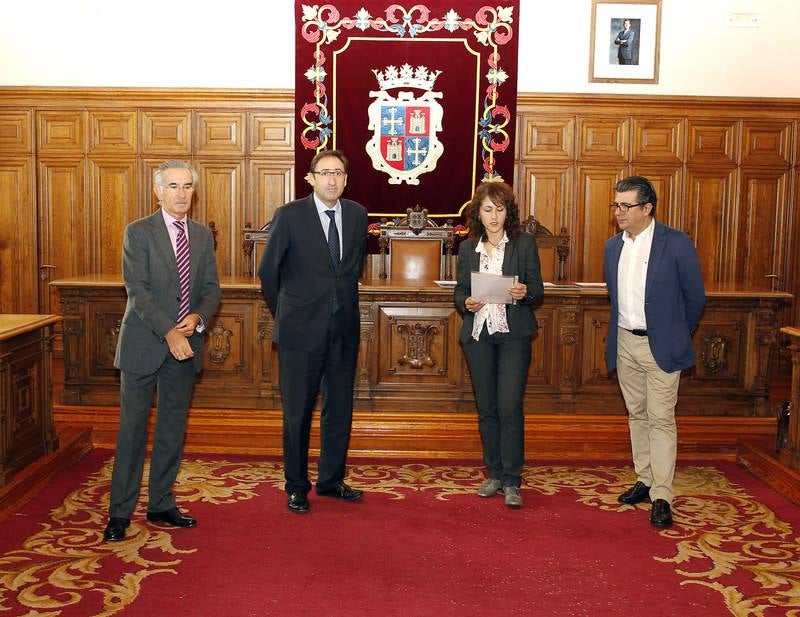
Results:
[170, 274]
[309, 277]
[624, 41]
[656, 290]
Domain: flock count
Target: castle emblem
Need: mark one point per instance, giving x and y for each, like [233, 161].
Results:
[404, 143]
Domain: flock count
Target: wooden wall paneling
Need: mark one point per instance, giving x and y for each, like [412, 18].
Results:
[270, 184]
[659, 140]
[542, 370]
[708, 216]
[220, 198]
[594, 375]
[767, 143]
[16, 131]
[712, 142]
[166, 133]
[113, 132]
[220, 134]
[63, 224]
[668, 184]
[547, 137]
[271, 133]
[545, 190]
[60, 132]
[595, 222]
[763, 227]
[113, 203]
[19, 274]
[603, 139]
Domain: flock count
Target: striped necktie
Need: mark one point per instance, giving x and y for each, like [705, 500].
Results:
[182, 256]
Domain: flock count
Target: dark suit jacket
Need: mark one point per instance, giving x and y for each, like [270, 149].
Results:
[521, 258]
[298, 279]
[673, 298]
[150, 272]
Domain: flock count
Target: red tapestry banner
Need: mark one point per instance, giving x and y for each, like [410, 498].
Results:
[421, 99]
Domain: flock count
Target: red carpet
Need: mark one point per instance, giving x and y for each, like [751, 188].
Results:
[419, 543]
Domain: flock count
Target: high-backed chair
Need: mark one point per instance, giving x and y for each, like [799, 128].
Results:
[253, 243]
[547, 240]
[414, 247]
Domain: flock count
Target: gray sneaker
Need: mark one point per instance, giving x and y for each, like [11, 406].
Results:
[512, 497]
[490, 488]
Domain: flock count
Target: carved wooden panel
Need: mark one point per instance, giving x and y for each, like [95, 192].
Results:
[603, 139]
[658, 140]
[719, 348]
[166, 133]
[594, 368]
[220, 199]
[271, 133]
[63, 224]
[709, 210]
[541, 371]
[113, 204]
[19, 284]
[548, 137]
[545, 191]
[230, 358]
[595, 192]
[413, 345]
[220, 133]
[16, 133]
[102, 338]
[147, 196]
[60, 132]
[667, 182]
[763, 228]
[767, 143]
[712, 141]
[112, 132]
[271, 185]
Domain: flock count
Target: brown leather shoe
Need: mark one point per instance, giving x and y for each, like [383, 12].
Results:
[637, 493]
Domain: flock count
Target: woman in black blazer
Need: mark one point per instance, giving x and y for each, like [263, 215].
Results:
[497, 337]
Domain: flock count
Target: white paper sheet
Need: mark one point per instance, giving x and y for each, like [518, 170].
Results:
[492, 288]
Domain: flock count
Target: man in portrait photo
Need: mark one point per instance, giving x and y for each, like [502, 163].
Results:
[626, 40]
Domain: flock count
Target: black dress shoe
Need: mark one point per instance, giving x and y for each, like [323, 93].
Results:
[341, 491]
[635, 494]
[660, 515]
[298, 502]
[115, 530]
[172, 517]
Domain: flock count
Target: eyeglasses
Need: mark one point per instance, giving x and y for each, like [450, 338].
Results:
[623, 207]
[329, 173]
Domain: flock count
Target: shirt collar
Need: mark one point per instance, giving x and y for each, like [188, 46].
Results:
[321, 207]
[169, 219]
[479, 247]
[646, 234]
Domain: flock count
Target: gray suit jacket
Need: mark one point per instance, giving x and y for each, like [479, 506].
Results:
[150, 272]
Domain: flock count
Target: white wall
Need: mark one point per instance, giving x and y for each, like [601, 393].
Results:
[250, 44]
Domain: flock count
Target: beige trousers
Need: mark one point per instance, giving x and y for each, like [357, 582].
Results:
[650, 395]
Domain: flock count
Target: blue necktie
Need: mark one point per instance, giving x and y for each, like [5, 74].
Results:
[333, 238]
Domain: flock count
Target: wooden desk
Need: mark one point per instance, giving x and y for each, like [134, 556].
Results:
[26, 421]
[411, 372]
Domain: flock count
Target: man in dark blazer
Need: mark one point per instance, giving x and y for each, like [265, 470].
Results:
[624, 41]
[173, 292]
[309, 277]
[657, 295]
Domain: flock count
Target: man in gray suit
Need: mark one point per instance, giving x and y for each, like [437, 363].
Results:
[170, 274]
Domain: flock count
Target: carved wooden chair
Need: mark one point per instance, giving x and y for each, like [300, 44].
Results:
[253, 243]
[414, 247]
[546, 239]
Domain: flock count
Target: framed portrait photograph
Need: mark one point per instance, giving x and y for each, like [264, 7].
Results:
[625, 41]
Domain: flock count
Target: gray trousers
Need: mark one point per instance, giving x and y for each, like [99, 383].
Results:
[174, 381]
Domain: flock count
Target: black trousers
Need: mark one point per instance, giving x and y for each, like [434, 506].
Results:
[498, 365]
[332, 368]
[174, 380]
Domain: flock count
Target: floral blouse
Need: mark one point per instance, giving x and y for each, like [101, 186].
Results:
[494, 315]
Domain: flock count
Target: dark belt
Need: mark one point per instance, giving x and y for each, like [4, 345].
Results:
[638, 332]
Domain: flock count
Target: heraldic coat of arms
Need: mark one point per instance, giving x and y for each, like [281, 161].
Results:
[404, 143]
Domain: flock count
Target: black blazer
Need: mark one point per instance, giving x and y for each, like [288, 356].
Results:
[521, 258]
[298, 280]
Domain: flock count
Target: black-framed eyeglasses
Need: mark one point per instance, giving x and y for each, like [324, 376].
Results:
[330, 173]
[624, 207]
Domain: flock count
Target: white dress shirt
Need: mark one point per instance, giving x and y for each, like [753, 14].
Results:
[631, 278]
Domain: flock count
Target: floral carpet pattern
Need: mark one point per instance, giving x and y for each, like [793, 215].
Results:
[720, 533]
